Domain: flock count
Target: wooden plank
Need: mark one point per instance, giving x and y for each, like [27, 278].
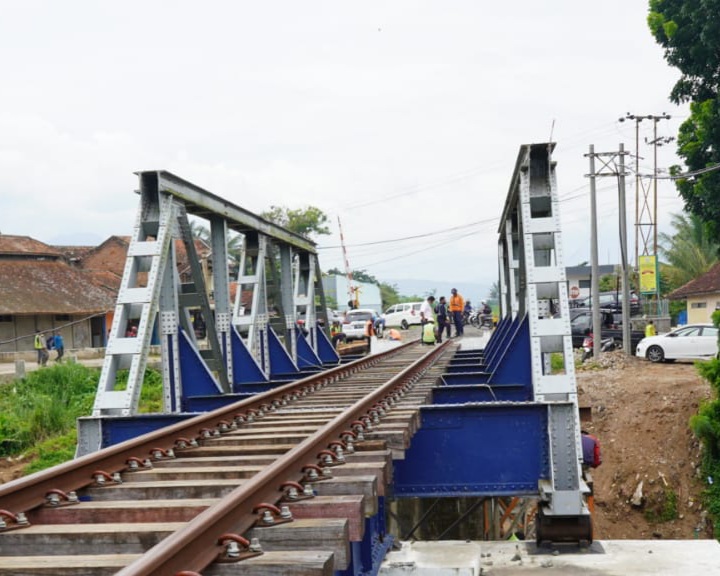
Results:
[345, 485]
[182, 510]
[280, 563]
[347, 507]
[330, 534]
[95, 565]
[86, 539]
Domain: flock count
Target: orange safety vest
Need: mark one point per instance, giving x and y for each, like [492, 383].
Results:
[456, 303]
[369, 329]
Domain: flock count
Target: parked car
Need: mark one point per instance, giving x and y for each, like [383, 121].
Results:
[581, 327]
[355, 321]
[403, 315]
[694, 341]
[612, 301]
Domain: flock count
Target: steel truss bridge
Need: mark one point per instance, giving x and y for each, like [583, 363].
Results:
[262, 417]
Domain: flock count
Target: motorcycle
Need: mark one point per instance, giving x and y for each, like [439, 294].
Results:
[606, 345]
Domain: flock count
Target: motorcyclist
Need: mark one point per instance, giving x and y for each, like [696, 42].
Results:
[485, 314]
[467, 311]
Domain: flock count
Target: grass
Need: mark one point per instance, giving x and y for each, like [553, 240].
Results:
[664, 508]
[38, 413]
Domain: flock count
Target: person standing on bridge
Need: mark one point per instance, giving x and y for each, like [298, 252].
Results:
[457, 305]
[426, 310]
[428, 332]
[443, 322]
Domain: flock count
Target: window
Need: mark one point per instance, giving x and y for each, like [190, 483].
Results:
[698, 305]
[6, 318]
[713, 332]
[584, 284]
[62, 317]
[691, 331]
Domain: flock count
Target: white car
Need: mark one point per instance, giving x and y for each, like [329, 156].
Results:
[355, 322]
[404, 315]
[694, 341]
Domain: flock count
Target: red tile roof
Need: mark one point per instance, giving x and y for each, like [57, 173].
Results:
[12, 245]
[708, 283]
[48, 287]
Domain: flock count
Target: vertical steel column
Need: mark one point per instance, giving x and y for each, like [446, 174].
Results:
[221, 289]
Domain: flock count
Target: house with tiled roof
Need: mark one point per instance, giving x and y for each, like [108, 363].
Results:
[41, 291]
[702, 295]
[68, 289]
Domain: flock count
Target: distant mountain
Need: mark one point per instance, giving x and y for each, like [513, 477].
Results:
[469, 290]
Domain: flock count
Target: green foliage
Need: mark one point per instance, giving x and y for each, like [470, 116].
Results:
[44, 404]
[304, 221]
[664, 508]
[689, 251]
[609, 283]
[688, 32]
[706, 426]
[151, 395]
[38, 413]
[557, 363]
[52, 452]
[388, 294]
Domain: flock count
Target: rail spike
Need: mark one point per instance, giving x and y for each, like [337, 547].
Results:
[18, 520]
[272, 515]
[237, 548]
[294, 491]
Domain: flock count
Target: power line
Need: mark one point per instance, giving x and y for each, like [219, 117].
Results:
[417, 236]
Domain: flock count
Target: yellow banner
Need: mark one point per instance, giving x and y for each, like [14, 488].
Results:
[648, 274]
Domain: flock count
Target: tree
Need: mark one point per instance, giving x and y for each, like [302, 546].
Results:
[303, 221]
[494, 293]
[690, 34]
[388, 294]
[198, 230]
[689, 251]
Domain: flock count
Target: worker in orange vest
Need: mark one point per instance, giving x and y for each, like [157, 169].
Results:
[369, 331]
[455, 307]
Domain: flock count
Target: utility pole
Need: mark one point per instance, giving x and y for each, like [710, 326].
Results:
[594, 281]
[645, 217]
[627, 345]
[608, 168]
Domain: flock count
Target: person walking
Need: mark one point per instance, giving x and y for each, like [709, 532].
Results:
[40, 348]
[441, 315]
[456, 307]
[59, 345]
[650, 329]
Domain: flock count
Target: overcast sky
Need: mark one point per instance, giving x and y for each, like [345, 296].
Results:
[400, 117]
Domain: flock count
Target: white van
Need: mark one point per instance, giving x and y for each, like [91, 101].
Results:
[403, 315]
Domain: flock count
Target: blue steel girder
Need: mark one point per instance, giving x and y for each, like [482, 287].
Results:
[481, 449]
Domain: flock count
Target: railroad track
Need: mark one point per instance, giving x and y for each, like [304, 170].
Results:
[290, 482]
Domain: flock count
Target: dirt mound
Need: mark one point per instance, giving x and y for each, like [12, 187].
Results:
[649, 484]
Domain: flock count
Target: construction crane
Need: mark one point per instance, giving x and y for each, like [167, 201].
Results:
[353, 291]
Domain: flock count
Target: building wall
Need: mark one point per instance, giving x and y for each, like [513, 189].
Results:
[19, 335]
[700, 308]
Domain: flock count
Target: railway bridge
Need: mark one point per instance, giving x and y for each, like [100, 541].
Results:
[273, 455]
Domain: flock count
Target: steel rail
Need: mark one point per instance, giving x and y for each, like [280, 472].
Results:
[196, 546]
[29, 492]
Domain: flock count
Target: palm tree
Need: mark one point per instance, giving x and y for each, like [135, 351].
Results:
[689, 251]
